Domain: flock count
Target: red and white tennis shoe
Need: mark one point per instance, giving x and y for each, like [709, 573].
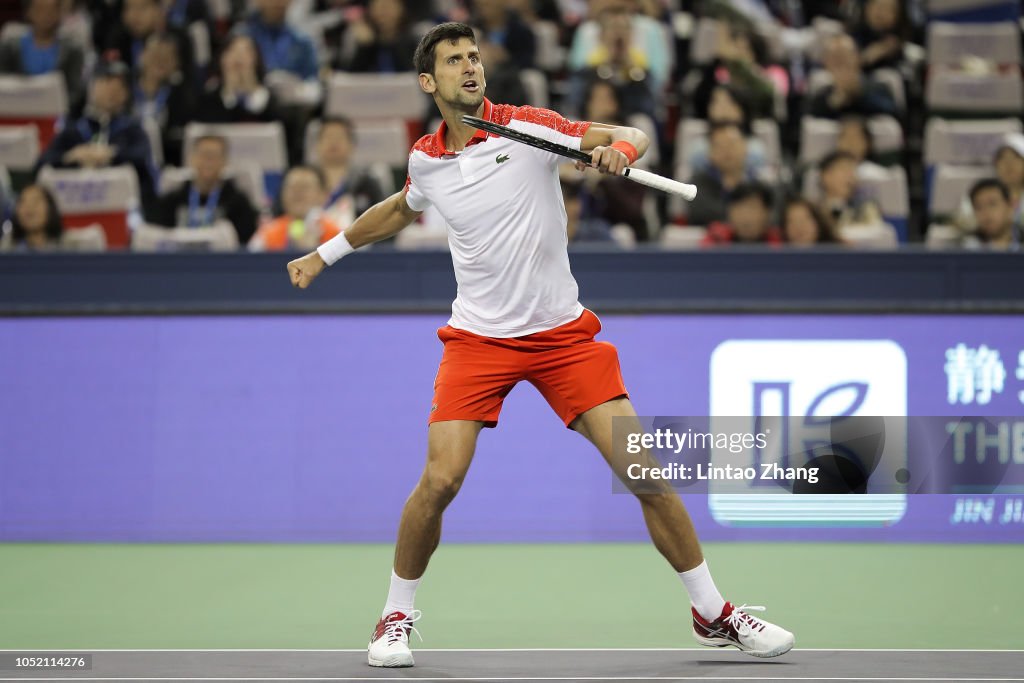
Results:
[389, 645]
[747, 633]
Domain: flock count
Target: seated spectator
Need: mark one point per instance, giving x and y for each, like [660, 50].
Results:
[728, 169]
[803, 225]
[615, 199]
[36, 223]
[855, 139]
[42, 50]
[580, 228]
[303, 225]
[644, 42]
[503, 82]
[881, 33]
[238, 94]
[741, 60]
[726, 105]
[850, 91]
[840, 200]
[161, 94]
[208, 196]
[350, 191]
[141, 19]
[993, 212]
[106, 134]
[502, 28]
[618, 57]
[381, 40]
[281, 46]
[749, 219]
[1008, 164]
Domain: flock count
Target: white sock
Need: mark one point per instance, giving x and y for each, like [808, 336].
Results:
[400, 595]
[704, 594]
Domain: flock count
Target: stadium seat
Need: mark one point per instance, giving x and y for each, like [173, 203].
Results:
[765, 130]
[260, 145]
[965, 11]
[949, 186]
[878, 236]
[40, 100]
[19, 146]
[104, 196]
[374, 96]
[965, 142]
[818, 137]
[959, 92]
[949, 43]
[88, 239]
[381, 141]
[248, 179]
[702, 44]
[942, 236]
[220, 236]
[681, 237]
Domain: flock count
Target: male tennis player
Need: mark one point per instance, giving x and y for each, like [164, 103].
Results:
[516, 317]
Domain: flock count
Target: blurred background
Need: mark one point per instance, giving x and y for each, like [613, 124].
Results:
[193, 454]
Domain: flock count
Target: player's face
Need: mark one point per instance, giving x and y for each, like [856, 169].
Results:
[458, 78]
[993, 213]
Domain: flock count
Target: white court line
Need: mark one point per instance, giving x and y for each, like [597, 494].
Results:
[529, 678]
[492, 649]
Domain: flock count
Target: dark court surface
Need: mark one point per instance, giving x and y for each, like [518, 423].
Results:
[542, 665]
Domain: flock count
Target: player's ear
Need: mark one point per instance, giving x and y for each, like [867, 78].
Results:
[427, 83]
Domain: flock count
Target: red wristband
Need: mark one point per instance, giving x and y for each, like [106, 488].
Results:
[627, 149]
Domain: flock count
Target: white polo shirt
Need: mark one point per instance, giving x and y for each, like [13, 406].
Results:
[506, 222]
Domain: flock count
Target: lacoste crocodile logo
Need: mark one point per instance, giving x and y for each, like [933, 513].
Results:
[501, 158]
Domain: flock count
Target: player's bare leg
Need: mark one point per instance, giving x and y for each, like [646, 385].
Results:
[667, 520]
[450, 448]
[716, 623]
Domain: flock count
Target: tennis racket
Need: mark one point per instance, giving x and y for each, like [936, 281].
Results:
[687, 192]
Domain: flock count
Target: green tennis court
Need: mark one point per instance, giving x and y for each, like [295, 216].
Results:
[96, 596]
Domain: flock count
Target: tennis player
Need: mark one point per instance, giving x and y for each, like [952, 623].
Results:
[516, 317]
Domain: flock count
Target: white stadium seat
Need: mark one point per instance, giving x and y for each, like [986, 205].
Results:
[374, 96]
[19, 147]
[90, 238]
[965, 142]
[960, 91]
[681, 236]
[818, 137]
[382, 141]
[40, 100]
[950, 184]
[885, 186]
[101, 195]
[949, 43]
[220, 236]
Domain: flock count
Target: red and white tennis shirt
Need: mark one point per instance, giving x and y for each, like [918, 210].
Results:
[506, 222]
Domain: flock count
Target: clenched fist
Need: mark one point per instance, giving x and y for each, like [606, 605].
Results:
[303, 271]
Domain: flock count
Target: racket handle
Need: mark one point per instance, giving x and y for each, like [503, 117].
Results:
[686, 191]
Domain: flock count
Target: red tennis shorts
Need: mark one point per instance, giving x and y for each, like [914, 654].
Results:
[573, 372]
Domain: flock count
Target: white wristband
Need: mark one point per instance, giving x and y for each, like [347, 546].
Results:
[333, 249]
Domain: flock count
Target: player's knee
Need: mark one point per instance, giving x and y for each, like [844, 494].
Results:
[440, 487]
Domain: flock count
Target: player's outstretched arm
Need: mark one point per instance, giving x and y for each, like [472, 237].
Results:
[380, 221]
[613, 148]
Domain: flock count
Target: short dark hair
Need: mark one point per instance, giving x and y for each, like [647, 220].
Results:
[342, 121]
[751, 190]
[210, 137]
[834, 157]
[321, 178]
[452, 31]
[990, 184]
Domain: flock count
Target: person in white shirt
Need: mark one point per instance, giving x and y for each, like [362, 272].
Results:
[516, 317]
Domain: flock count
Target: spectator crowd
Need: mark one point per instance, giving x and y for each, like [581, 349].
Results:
[852, 124]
